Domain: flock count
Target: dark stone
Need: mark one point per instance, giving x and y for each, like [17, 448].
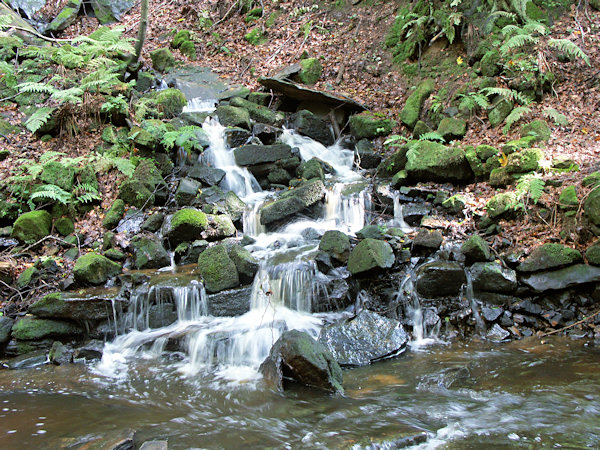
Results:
[248, 155]
[236, 137]
[492, 277]
[6, 324]
[230, 303]
[365, 156]
[298, 356]
[60, 354]
[475, 249]
[78, 306]
[308, 124]
[562, 278]
[187, 191]
[153, 222]
[267, 134]
[366, 338]
[336, 244]
[208, 175]
[440, 278]
[370, 254]
[370, 232]
[491, 313]
[292, 202]
[149, 252]
[413, 212]
[246, 264]
[428, 240]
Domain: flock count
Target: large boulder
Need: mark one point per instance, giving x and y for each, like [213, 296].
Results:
[145, 188]
[292, 202]
[246, 264]
[217, 269]
[110, 11]
[78, 306]
[475, 249]
[233, 116]
[451, 128]
[95, 269]
[432, 161]
[310, 71]
[298, 356]
[29, 328]
[366, 338]
[370, 254]
[336, 244]
[575, 275]
[32, 226]
[591, 206]
[248, 155]
[538, 128]
[412, 108]
[208, 175]
[367, 125]
[185, 225]
[549, 256]
[308, 124]
[65, 18]
[439, 279]
[492, 277]
[527, 160]
[149, 252]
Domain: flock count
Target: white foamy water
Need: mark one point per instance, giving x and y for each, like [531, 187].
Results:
[200, 105]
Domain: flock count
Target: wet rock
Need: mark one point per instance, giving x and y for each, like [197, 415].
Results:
[366, 338]
[475, 249]
[367, 125]
[311, 169]
[492, 277]
[154, 445]
[217, 269]
[27, 361]
[91, 351]
[491, 313]
[236, 137]
[370, 254]
[258, 113]
[220, 226]
[60, 354]
[252, 154]
[149, 252]
[365, 156]
[78, 306]
[549, 256]
[563, 278]
[95, 269]
[193, 251]
[153, 222]
[230, 303]
[432, 161]
[208, 175]
[413, 212]
[185, 225]
[336, 244]
[427, 240]
[32, 226]
[292, 202]
[187, 191]
[6, 324]
[298, 356]
[30, 328]
[370, 232]
[497, 334]
[232, 116]
[527, 306]
[399, 440]
[440, 278]
[246, 264]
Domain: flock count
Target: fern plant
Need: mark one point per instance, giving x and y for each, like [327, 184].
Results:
[39, 118]
[570, 48]
[187, 138]
[529, 189]
[558, 118]
[515, 115]
[472, 101]
[432, 136]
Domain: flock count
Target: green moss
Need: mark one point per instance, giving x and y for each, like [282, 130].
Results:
[412, 109]
[527, 160]
[162, 59]
[337, 244]
[489, 64]
[181, 37]
[114, 214]
[432, 161]
[30, 328]
[189, 216]
[476, 249]
[257, 112]
[370, 254]
[26, 277]
[95, 269]
[475, 163]
[170, 102]
[32, 226]
[64, 226]
[593, 254]
[255, 36]
[539, 129]
[217, 269]
[58, 174]
[500, 204]
[368, 125]
[568, 198]
[310, 71]
[549, 256]
[188, 48]
[486, 151]
[592, 206]
[499, 112]
[592, 179]
[232, 116]
[451, 128]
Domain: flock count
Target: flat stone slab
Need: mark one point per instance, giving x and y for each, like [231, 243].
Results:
[304, 94]
[197, 82]
[563, 278]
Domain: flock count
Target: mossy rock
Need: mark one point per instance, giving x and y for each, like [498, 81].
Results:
[149, 253]
[394, 163]
[592, 254]
[32, 226]
[499, 112]
[549, 256]
[64, 226]
[432, 161]
[412, 109]
[136, 193]
[58, 174]
[188, 48]
[451, 128]
[455, 204]
[310, 71]
[568, 198]
[186, 225]
[181, 37]
[476, 164]
[170, 102]
[501, 204]
[476, 249]
[368, 125]
[420, 129]
[519, 144]
[311, 169]
[336, 244]
[245, 263]
[233, 116]
[527, 160]
[258, 113]
[255, 36]
[217, 269]
[221, 226]
[539, 129]
[28, 276]
[370, 254]
[260, 98]
[486, 151]
[592, 179]
[30, 328]
[66, 17]
[162, 59]
[489, 64]
[93, 268]
[114, 254]
[591, 206]
[501, 177]
[114, 214]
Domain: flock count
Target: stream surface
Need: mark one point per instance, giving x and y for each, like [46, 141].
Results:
[477, 395]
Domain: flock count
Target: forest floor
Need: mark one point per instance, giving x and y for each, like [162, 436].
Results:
[350, 40]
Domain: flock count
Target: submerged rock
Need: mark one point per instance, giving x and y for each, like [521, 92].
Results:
[364, 339]
[299, 357]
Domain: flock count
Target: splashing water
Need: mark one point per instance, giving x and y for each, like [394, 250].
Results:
[348, 211]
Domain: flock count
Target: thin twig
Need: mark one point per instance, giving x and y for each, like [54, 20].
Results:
[585, 319]
[41, 36]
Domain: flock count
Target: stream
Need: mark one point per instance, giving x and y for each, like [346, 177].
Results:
[209, 392]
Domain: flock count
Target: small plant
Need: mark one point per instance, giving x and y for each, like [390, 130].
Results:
[515, 115]
[188, 138]
[471, 101]
[558, 118]
[432, 136]
[395, 140]
[529, 189]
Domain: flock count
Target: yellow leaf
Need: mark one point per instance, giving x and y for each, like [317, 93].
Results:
[459, 60]
[584, 130]
[503, 159]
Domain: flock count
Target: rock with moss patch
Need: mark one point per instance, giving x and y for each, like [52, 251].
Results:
[501, 204]
[149, 253]
[114, 214]
[170, 102]
[95, 269]
[6, 324]
[65, 18]
[217, 269]
[187, 191]
[336, 244]
[32, 226]
[499, 112]
[162, 59]
[233, 116]
[432, 161]
[455, 204]
[592, 179]
[489, 64]
[220, 226]
[591, 206]
[186, 225]
[501, 177]
[27, 277]
[245, 263]
[255, 36]
[292, 202]
[180, 37]
[412, 109]
[30, 328]
[451, 128]
[310, 71]
[259, 113]
[475, 249]
[539, 129]
[527, 160]
[568, 198]
[549, 256]
[59, 174]
[370, 254]
[311, 169]
[369, 125]
[64, 226]
[592, 254]
[311, 125]
[420, 129]
[492, 277]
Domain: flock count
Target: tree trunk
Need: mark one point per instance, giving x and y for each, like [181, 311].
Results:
[141, 37]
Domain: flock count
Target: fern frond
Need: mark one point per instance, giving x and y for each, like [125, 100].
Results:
[481, 101]
[432, 136]
[558, 118]
[570, 48]
[5, 21]
[50, 156]
[517, 41]
[72, 95]
[535, 27]
[39, 118]
[515, 115]
[49, 192]
[507, 94]
[39, 88]
[34, 52]
[123, 165]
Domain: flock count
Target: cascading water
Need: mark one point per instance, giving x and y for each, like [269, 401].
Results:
[398, 220]
[348, 211]
[468, 294]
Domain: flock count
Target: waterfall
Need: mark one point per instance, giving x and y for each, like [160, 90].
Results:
[237, 179]
[251, 220]
[468, 294]
[348, 211]
[398, 214]
[198, 104]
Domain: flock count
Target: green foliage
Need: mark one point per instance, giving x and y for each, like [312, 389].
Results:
[507, 94]
[529, 189]
[570, 48]
[432, 136]
[395, 140]
[471, 101]
[515, 115]
[49, 192]
[558, 118]
[39, 118]
[186, 138]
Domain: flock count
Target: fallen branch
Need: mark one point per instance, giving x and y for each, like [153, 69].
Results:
[585, 319]
[41, 36]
